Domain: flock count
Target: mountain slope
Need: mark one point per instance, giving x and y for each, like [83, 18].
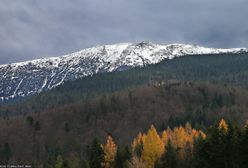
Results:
[121, 115]
[222, 68]
[31, 77]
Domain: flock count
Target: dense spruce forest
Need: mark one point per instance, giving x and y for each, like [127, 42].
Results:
[180, 113]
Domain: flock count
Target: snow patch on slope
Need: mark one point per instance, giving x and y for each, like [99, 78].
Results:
[31, 77]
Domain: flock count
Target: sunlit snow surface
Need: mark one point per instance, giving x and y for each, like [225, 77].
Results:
[30, 77]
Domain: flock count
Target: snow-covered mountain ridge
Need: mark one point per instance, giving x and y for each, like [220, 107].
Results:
[31, 77]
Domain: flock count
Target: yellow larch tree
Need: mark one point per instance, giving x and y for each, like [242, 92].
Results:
[153, 148]
[179, 139]
[223, 126]
[138, 141]
[165, 137]
[202, 134]
[183, 137]
[110, 150]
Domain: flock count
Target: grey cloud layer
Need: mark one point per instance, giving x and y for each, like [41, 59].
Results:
[33, 28]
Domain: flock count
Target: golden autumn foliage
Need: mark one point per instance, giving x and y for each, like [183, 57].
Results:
[181, 138]
[138, 141]
[223, 126]
[202, 134]
[178, 137]
[166, 135]
[153, 147]
[110, 150]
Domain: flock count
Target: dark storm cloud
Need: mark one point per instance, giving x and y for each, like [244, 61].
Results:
[34, 28]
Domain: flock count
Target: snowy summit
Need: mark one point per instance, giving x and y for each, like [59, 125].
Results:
[31, 77]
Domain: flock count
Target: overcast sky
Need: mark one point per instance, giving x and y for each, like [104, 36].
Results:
[40, 28]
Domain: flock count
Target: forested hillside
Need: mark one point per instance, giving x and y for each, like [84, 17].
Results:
[66, 131]
[224, 69]
[183, 98]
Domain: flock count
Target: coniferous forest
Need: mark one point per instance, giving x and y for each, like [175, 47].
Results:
[188, 112]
